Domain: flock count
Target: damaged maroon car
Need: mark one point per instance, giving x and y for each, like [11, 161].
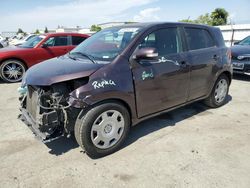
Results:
[121, 76]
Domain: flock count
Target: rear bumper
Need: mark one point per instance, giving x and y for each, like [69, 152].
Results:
[34, 127]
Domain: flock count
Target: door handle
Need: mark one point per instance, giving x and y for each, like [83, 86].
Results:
[183, 64]
[215, 57]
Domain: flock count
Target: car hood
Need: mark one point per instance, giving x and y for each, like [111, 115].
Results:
[59, 70]
[12, 49]
[240, 50]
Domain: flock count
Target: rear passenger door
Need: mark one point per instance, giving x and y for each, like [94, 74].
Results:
[203, 55]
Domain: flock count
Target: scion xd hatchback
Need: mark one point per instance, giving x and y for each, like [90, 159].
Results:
[121, 76]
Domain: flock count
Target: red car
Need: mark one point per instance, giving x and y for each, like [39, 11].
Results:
[14, 61]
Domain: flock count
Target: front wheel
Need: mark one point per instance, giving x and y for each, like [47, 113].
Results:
[103, 129]
[219, 93]
[12, 71]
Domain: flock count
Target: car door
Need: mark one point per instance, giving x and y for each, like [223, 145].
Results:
[161, 83]
[203, 55]
[57, 45]
[54, 46]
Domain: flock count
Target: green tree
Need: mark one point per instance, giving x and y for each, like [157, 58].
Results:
[187, 20]
[204, 19]
[37, 32]
[19, 31]
[95, 28]
[46, 30]
[219, 17]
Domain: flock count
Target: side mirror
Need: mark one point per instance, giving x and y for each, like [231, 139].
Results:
[145, 53]
[235, 43]
[44, 45]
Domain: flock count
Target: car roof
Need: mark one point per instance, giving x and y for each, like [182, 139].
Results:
[151, 24]
[65, 33]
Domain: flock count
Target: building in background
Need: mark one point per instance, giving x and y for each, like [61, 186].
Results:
[234, 33]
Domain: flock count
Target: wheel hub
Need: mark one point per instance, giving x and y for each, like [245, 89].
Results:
[108, 128]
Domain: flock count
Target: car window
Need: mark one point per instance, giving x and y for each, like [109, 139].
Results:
[57, 41]
[108, 43]
[76, 40]
[32, 42]
[198, 38]
[245, 41]
[166, 41]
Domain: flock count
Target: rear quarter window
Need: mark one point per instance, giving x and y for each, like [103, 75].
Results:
[198, 38]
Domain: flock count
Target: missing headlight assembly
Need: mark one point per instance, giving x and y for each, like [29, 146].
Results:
[47, 110]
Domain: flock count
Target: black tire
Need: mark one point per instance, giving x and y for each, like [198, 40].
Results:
[211, 100]
[19, 65]
[85, 121]
[1, 46]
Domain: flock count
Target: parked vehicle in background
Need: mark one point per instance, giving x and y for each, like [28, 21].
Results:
[14, 61]
[25, 39]
[241, 56]
[3, 42]
[121, 76]
[15, 39]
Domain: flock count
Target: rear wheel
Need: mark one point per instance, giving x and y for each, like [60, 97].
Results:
[12, 71]
[219, 93]
[103, 129]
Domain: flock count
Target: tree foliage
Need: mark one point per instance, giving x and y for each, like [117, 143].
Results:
[19, 31]
[95, 28]
[37, 32]
[46, 30]
[217, 17]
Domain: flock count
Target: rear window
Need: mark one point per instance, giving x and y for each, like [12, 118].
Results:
[198, 38]
[76, 40]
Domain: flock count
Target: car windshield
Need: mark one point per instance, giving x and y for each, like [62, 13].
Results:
[245, 41]
[105, 45]
[32, 42]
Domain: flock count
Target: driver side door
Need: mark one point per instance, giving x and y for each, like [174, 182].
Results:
[53, 47]
[163, 82]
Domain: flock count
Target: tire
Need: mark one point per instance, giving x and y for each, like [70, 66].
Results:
[218, 97]
[103, 129]
[1, 46]
[12, 71]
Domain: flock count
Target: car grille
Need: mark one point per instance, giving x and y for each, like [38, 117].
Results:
[246, 59]
[32, 102]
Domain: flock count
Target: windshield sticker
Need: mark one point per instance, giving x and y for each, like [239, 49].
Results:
[102, 83]
[146, 75]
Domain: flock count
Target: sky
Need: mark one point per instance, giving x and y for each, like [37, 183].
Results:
[36, 14]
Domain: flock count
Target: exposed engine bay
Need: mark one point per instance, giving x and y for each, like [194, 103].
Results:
[45, 109]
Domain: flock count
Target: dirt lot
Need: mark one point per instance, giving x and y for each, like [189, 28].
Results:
[190, 147]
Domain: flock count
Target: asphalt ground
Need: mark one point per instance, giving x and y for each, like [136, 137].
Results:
[193, 146]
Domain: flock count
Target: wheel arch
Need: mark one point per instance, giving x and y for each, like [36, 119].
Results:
[114, 100]
[228, 74]
[14, 58]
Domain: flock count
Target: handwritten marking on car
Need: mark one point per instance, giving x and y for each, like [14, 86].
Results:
[102, 83]
[147, 74]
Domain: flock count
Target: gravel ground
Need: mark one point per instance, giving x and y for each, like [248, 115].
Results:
[190, 147]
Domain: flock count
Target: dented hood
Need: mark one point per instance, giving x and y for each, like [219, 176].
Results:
[59, 70]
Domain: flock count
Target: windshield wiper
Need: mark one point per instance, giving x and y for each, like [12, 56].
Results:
[85, 55]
